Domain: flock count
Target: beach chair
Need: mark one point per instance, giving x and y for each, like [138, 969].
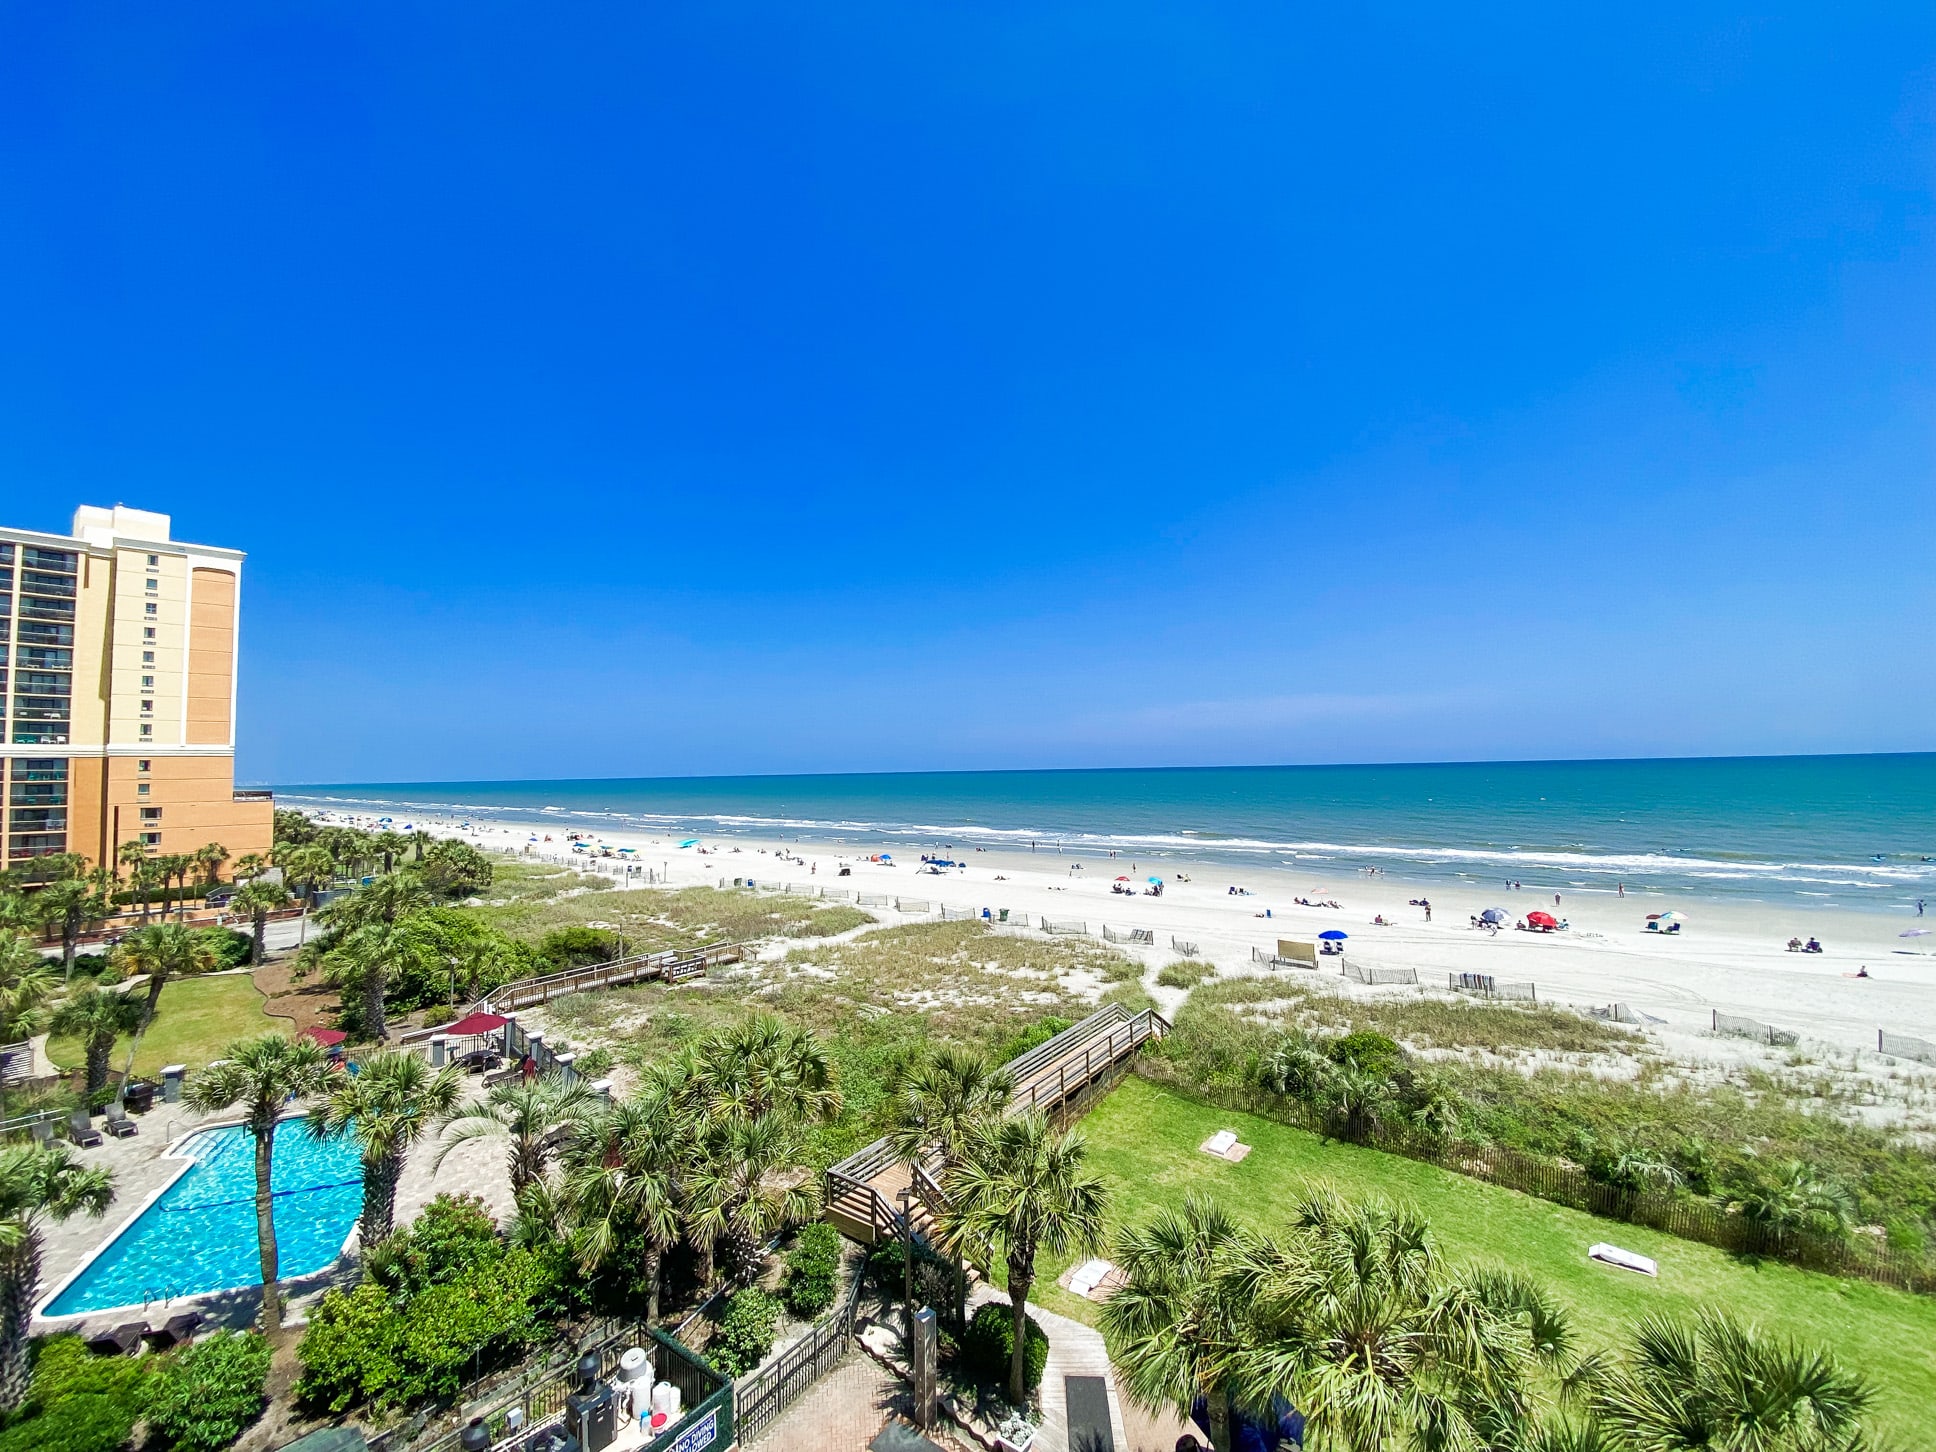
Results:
[123, 1340]
[176, 1331]
[81, 1130]
[119, 1125]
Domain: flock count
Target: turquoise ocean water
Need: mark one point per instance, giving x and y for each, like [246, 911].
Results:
[1852, 831]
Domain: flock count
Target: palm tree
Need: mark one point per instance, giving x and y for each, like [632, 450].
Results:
[132, 853]
[538, 1117]
[258, 899]
[1719, 1384]
[250, 865]
[210, 859]
[389, 846]
[69, 906]
[261, 1075]
[419, 840]
[26, 982]
[164, 951]
[751, 1181]
[37, 1183]
[146, 877]
[1357, 1321]
[1795, 1198]
[387, 900]
[97, 1019]
[942, 1101]
[306, 867]
[937, 1107]
[392, 1103]
[1022, 1187]
[757, 1067]
[1173, 1329]
[624, 1179]
[370, 957]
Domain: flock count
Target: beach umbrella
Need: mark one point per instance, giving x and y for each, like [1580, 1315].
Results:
[1332, 935]
[1152, 879]
[1668, 917]
[1494, 915]
[690, 842]
[1544, 920]
[1125, 879]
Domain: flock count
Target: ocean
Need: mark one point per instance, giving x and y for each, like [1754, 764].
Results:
[1843, 831]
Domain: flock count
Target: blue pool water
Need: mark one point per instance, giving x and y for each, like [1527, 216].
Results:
[200, 1234]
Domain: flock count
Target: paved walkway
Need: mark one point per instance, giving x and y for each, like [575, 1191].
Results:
[843, 1412]
[1074, 1350]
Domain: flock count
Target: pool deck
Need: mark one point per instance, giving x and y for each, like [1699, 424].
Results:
[142, 1170]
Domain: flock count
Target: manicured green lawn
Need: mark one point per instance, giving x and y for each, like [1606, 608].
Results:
[1144, 1140]
[197, 1017]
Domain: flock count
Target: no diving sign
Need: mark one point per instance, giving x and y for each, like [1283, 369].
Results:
[700, 1435]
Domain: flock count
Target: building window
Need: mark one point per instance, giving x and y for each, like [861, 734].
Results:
[141, 789]
[154, 562]
[146, 729]
[153, 584]
[147, 632]
[142, 764]
[147, 657]
[147, 683]
[153, 609]
[147, 708]
[151, 814]
[151, 839]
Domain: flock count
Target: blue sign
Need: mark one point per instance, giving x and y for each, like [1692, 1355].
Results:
[700, 1435]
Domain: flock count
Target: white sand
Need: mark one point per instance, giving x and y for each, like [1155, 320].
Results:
[1729, 957]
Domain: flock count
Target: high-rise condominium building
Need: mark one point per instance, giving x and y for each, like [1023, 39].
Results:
[117, 692]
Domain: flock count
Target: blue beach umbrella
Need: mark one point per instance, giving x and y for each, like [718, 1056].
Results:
[1332, 935]
[690, 842]
[1152, 879]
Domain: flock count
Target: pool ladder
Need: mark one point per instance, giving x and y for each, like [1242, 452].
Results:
[163, 1294]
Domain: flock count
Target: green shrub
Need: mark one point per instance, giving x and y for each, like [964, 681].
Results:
[231, 947]
[372, 1345]
[990, 1343]
[577, 947]
[76, 1401]
[1368, 1050]
[450, 1237]
[204, 1397]
[745, 1332]
[813, 1270]
[1185, 973]
[594, 1063]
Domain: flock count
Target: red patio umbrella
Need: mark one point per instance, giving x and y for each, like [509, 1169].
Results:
[473, 1024]
[1542, 920]
[328, 1038]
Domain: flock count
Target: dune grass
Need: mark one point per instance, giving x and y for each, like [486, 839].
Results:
[1144, 1140]
[195, 1019]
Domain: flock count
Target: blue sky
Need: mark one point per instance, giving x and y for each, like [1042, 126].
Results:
[639, 390]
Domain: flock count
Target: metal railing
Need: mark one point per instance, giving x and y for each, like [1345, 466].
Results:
[760, 1396]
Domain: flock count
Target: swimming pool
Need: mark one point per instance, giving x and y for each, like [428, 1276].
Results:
[199, 1234]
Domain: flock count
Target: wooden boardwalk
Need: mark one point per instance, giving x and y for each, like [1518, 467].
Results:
[1061, 1078]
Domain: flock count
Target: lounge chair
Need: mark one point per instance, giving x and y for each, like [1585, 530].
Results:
[120, 1126]
[123, 1340]
[176, 1331]
[81, 1130]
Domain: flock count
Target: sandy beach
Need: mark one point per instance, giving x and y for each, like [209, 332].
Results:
[1728, 957]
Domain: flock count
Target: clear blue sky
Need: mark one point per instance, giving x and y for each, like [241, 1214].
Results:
[653, 389]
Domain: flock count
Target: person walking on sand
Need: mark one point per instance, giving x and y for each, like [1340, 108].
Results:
[1556, 899]
[1620, 889]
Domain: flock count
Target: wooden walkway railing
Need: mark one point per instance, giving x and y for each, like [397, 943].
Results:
[1062, 1077]
[673, 966]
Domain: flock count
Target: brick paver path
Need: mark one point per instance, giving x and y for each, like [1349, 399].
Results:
[843, 1412]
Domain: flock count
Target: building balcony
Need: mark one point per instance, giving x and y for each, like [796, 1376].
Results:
[252, 796]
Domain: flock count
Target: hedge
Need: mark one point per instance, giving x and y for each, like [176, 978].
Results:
[989, 1344]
